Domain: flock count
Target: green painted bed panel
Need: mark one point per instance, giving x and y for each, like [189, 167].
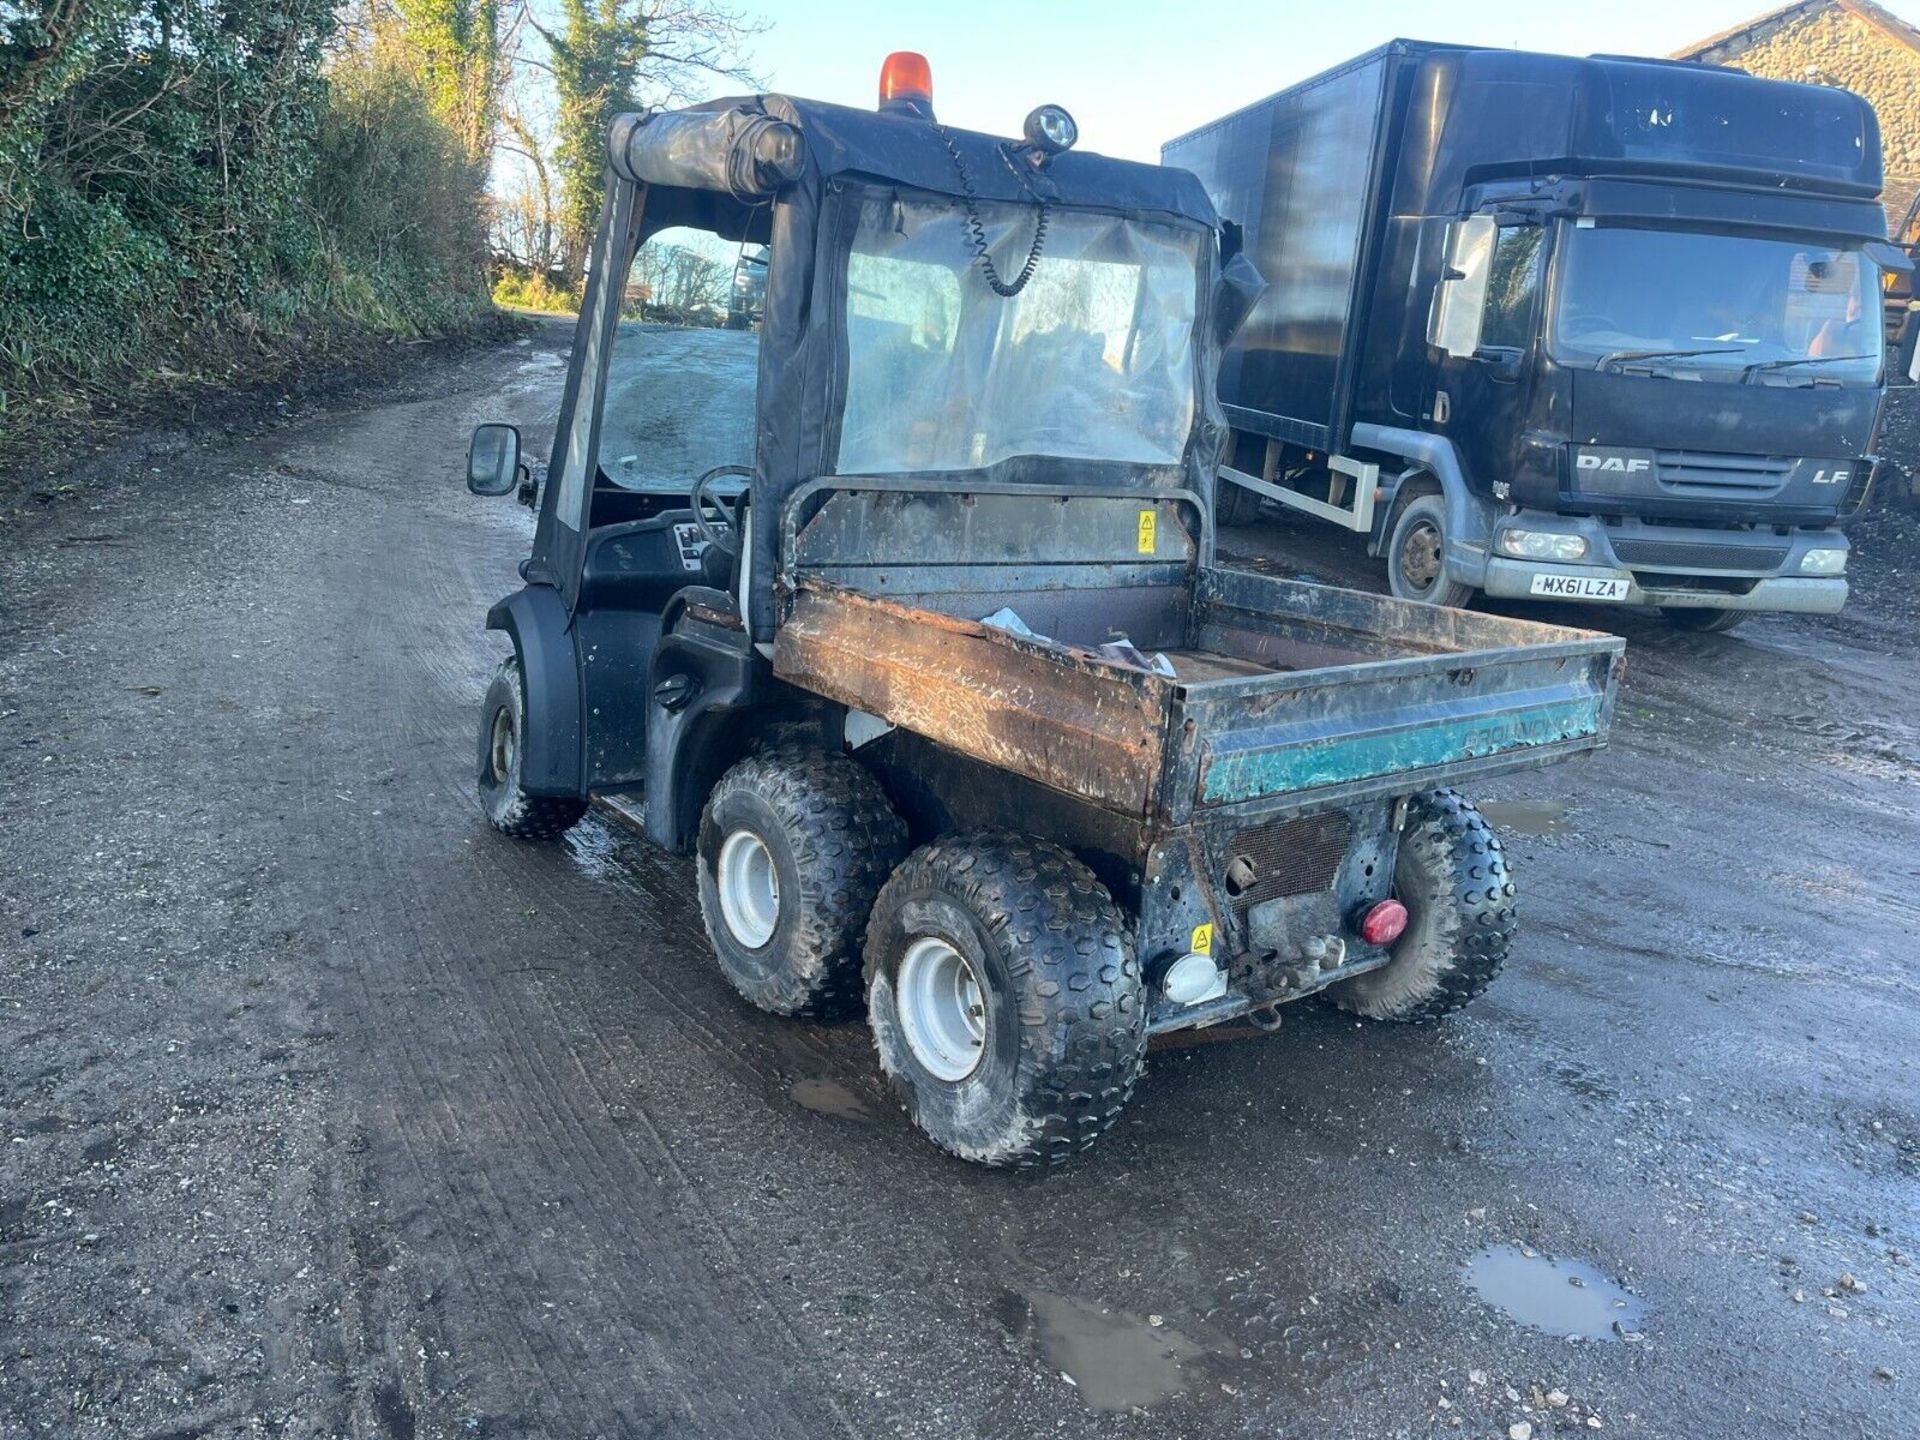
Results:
[1286, 769]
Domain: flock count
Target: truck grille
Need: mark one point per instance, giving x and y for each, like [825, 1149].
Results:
[1706, 470]
[1291, 857]
[1699, 555]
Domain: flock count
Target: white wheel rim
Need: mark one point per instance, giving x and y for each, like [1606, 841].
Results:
[749, 889]
[943, 1011]
[500, 746]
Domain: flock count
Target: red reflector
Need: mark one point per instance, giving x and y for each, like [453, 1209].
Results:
[1384, 923]
[906, 75]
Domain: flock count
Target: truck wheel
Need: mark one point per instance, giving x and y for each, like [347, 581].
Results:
[1703, 621]
[1454, 881]
[1416, 555]
[794, 844]
[503, 730]
[1234, 504]
[1005, 998]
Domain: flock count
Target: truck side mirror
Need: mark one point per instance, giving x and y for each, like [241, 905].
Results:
[1890, 258]
[1460, 299]
[1235, 293]
[493, 460]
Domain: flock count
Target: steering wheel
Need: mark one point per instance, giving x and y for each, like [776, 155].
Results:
[726, 539]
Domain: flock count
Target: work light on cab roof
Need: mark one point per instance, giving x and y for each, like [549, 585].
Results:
[906, 88]
[1050, 129]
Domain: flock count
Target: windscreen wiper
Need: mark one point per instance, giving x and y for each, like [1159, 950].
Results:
[1759, 365]
[1617, 357]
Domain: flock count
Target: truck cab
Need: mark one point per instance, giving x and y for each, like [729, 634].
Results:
[1611, 332]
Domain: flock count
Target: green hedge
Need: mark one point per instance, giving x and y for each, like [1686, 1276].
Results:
[174, 167]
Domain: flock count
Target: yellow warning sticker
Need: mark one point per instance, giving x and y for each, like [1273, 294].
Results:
[1202, 940]
[1149, 528]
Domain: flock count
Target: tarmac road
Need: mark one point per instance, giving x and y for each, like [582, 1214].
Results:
[324, 1111]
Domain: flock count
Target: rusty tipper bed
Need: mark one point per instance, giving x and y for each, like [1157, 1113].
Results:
[1294, 716]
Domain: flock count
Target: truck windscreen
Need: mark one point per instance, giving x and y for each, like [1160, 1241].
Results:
[1091, 360]
[1720, 307]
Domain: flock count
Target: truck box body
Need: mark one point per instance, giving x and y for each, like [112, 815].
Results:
[1350, 187]
[1301, 173]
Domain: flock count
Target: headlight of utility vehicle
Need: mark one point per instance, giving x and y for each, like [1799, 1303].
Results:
[1542, 545]
[1823, 562]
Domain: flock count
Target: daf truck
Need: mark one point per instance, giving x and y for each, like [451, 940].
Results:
[1600, 330]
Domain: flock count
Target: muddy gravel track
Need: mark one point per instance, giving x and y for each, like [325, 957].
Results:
[325, 1111]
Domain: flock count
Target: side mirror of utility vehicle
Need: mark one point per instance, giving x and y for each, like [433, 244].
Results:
[1460, 299]
[493, 460]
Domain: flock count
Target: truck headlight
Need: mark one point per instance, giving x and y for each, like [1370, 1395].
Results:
[1542, 545]
[1823, 562]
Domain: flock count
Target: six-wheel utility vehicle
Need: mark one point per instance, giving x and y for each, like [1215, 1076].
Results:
[950, 700]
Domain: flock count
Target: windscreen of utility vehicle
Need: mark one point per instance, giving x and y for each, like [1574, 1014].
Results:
[1716, 307]
[1093, 358]
[673, 410]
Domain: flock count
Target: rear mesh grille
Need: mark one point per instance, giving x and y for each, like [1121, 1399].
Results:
[1291, 857]
[1699, 555]
[1709, 470]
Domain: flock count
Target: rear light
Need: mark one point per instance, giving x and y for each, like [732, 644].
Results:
[1384, 923]
[906, 82]
[1193, 978]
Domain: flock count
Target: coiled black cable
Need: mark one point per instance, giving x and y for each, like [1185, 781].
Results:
[977, 232]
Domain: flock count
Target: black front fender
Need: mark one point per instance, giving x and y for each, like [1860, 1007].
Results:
[536, 619]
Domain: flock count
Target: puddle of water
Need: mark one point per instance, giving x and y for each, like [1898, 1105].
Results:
[830, 1097]
[1559, 1297]
[1117, 1361]
[1527, 817]
[590, 845]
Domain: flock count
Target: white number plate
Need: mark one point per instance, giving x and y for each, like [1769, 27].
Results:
[1579, 587]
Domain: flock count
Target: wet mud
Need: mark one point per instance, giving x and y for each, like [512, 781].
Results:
[326, 1111]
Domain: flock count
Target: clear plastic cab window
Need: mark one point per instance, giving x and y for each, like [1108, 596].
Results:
[658, 432]
[1091, 360]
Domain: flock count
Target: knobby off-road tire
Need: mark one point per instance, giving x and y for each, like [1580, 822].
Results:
[503, 737]
[1060, 1025]
[1417, 553]
[1703, 621]
[821, 828]
[1453, 879]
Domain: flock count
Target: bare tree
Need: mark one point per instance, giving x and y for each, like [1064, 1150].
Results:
[526, 218]
[600, 57]
[678, 280]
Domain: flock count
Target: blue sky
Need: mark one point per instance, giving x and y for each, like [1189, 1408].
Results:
[1136, 73]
